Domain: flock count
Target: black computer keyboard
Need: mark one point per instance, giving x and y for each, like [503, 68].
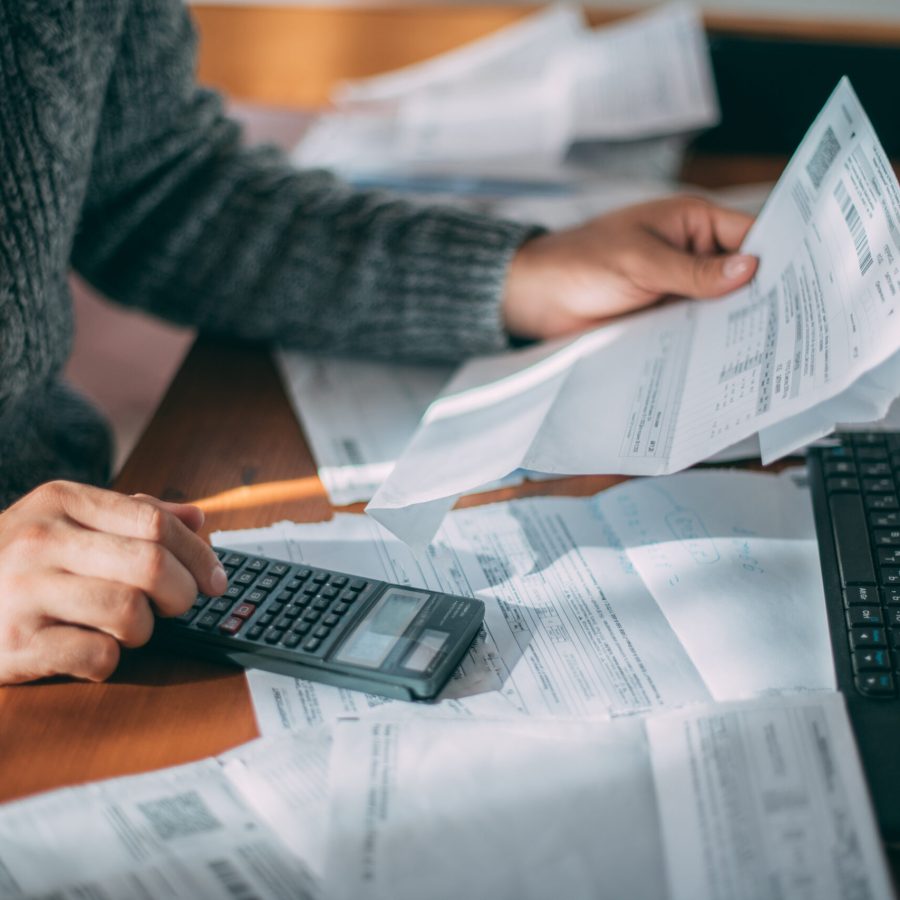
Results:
[855, 486]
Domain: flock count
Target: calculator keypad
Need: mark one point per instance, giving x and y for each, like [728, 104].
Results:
[276, 603]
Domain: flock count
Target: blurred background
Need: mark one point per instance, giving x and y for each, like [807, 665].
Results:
[774, 63]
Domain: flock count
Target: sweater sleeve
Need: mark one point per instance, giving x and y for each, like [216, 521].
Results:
[183, 221]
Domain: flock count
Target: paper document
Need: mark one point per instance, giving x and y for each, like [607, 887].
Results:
[180, 833]
[585, 617]
[750, 800]
[527, 92]
[659, 391]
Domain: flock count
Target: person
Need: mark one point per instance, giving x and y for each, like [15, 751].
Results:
[115, 164]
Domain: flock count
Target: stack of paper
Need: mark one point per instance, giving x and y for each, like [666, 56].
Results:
[812, 341]
[706, 803]
[524, 95]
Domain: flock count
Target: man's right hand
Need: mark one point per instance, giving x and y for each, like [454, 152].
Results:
[84, 570]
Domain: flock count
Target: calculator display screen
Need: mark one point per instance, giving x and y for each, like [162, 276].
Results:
[427, 648]
[376, 635]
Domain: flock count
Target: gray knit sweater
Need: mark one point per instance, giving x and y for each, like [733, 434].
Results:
[114, 163]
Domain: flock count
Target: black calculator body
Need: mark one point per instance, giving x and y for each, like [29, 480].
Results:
[327, 626]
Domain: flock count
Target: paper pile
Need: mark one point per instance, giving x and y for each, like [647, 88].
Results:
[524, 95]
[812, 341]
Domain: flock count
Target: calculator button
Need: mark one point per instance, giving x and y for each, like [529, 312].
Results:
[340, 608]
[873, 469]
[279, 569]
[301, 628]
[348, 596]
[339, 581]
[293, 585]
[291, 640]
[321, 632]
[208, 620]
[329, 593]
[245, 577]
[275, 607]
[201, 601]
[319, 578]
[283, 623]
[244, 610]
[303, 574]
[331, 619]
[892, 596]
[892, 616]
[311, 644]
[221, 604]
[257, 565]
[274, 635]
[884, 519]
[860, 595]
[882, 502]
[187, 617]
[871, 454]
[266, 619]
[255, 633]
[293, 611]
[255, 596]
[310, 590]
[285, 597]
[862, 616]
[878, 485]
[267, 582]
[357, 584]
[887, 537]
[321, 604]
[234, 591]
[232, 625]
[890, 575]
[233, 559]
[889, 556]
[311, 615]
[842, 485]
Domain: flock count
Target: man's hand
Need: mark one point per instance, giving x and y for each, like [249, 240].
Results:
[568, 280]
[82, 572]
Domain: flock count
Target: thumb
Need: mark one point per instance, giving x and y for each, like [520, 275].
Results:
[701, 275]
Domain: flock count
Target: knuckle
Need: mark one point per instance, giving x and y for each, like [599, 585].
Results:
[153, 522]
[134, 623]
[104, 658]
[32, 535]
[53, 492]
[152, 564]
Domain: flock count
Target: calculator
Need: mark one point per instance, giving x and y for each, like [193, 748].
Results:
[327, 626]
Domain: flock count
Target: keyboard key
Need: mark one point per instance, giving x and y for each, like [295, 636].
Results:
[887, 537]
[842, 485]
[875, 684]
[232, 625]
[873, 470]
[889, 556]
[864, 616]
[892, 617]
[851, 539]
[867, 637]
[884, 519]
[861, 595]
[878, 485]
[875, 660]
[890, 576]
[882, 502]
[892, 596]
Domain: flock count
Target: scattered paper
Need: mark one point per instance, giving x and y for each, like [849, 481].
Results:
[669, 387]
[757, 799]
[585, 618]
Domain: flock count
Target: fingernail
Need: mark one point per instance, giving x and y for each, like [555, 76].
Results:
[737, 266]
[218, 580]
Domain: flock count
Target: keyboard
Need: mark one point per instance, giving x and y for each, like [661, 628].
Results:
[855, 486]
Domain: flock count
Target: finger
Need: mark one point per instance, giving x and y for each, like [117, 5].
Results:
[146, 565]
[190, 515]
[147, 520]
[121, 611]
[730, 227]
[663, 269]
[66, 650]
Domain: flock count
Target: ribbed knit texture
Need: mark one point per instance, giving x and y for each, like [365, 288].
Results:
[114, 163]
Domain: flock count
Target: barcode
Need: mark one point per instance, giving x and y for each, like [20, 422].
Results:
[232, 880]
[824, 156]
[855, 224]
[179, 815]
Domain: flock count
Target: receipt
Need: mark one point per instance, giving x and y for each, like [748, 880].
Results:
[660, 391]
